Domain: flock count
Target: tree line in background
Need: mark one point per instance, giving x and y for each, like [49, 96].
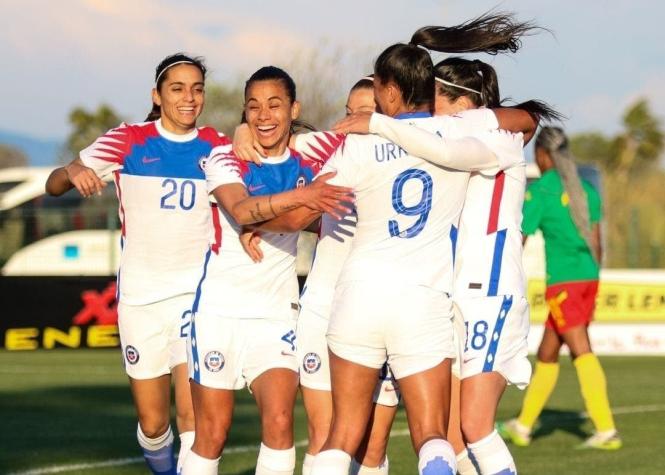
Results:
[633, 187]
[633, 178]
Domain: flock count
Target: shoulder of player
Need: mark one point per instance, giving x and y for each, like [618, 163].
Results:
[319, 146]
[212, 136]
[222, 156]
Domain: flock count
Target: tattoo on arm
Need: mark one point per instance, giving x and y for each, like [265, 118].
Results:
[272, 210]
[259, 213]
[287, 207]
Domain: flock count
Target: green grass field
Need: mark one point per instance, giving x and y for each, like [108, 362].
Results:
[63, 408]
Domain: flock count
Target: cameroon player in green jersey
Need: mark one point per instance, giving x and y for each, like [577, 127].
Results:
[567, 210]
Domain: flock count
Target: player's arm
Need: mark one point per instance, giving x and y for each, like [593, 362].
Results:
[246, 209]
[532, 211]
[74, 175]
[247, 148]
[470, 153]
[103, 156]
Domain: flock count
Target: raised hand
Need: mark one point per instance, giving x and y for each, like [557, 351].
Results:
[356, 123]
[245, 145]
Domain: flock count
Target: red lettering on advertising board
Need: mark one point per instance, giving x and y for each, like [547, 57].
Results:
[98, 307]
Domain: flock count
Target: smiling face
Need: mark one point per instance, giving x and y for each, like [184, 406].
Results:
[269, 112]
[180, 97]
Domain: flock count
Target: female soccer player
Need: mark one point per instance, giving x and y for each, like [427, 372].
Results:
[243, 323]
[397, 265]
[488, 270]
[164, 213]
[335, 240]
[334, 244]
[567, 210]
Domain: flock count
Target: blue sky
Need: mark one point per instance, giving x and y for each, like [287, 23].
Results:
[58, 55]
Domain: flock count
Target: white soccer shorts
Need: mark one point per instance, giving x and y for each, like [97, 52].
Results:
[230, 353]
[496, 337]
[154, 336]
[315, 364]
[409, 326]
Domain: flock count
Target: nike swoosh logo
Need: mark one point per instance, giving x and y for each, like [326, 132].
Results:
[389, 389]
[150, 160]
[253, 188]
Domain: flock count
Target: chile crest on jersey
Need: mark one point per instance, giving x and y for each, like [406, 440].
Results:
[156, 155]
[269, 178]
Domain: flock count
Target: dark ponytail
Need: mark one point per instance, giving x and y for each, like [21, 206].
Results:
[411, 69]
[489, 33]
[161, 74]
[475, 79]
[410, 66]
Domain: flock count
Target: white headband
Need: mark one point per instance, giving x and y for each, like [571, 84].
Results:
[451, 84]
[368, 78]
[184, 61]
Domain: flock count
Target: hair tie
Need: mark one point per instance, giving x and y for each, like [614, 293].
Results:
[451, 84]
[184, 61]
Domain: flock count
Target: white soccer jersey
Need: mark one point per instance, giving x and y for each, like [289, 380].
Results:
[232, 285]
[405, 206]
[163, 209]
[335, 236]
[488, 240]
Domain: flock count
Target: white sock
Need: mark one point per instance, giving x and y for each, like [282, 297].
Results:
[331, 462]
[492, 456]
[465, 465]
[358, 469]
[158, 452]
[307, 463]
[437, 457]
[186, 441]
[276, 462]
[194, 464]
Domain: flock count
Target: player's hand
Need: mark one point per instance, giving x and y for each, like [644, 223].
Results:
[245, 145]
[332, 199]
[357, 123]
[84, 179]
[250, 240]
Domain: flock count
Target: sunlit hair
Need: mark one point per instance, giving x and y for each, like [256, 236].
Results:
[161, 73]
[410, 67]
[365, 83]
[554, 141]
[478, 81]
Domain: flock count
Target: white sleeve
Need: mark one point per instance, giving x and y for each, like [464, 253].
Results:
[107, 154]
[486, 150]
[342, 162]
[318, 146]
[223, 168]
[480, 118]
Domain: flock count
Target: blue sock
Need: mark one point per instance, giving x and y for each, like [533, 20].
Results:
[158, 452]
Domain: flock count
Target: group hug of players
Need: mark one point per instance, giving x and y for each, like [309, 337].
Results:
[416, 289]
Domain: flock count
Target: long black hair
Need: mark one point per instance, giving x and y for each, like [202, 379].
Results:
[410, 66]
[161, 73]
[457, 77]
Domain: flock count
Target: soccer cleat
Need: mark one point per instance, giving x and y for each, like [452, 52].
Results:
[608, 440]
[514, 432]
